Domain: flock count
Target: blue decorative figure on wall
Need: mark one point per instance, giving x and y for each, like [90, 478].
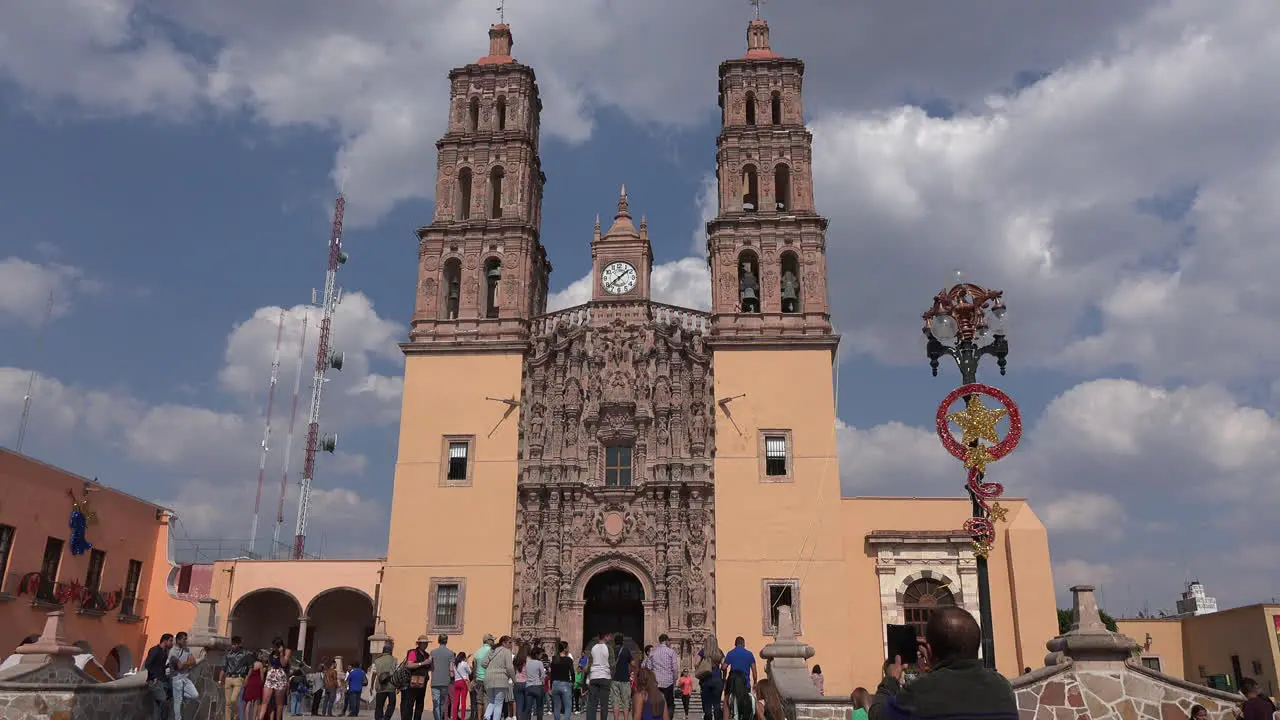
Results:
[81, 517]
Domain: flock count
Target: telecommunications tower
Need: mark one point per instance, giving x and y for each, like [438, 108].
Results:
[325, 359]
[266, 433]
[288, 442]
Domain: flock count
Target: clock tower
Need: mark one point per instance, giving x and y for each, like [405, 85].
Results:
[621, 258]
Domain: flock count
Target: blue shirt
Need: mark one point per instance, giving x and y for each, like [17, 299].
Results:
[740, 660]
[355, 680]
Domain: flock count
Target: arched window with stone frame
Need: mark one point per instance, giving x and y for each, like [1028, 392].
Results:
[500, 113]
[775, 107]
[750, 189]
[473, 115]
[464, 194]
[749, 102]
[921, 598]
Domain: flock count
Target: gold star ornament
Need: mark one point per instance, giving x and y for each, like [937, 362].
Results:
[978, 422]
[978, 458]
[998, 512]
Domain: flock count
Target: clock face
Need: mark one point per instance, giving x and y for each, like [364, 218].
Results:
[618, 278]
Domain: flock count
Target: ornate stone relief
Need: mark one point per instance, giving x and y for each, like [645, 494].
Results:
[620, 379]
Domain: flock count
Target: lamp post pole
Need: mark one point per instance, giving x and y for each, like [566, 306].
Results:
[966, 322]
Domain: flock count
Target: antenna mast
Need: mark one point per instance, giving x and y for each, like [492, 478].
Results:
[31, 380]
[266, 433]
[288, 443]
[325, 359]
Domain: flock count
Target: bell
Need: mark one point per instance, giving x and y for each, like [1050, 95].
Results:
[494, 273]
[789, 293]
[749, 294]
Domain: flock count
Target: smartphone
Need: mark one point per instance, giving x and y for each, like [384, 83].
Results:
[902, 643]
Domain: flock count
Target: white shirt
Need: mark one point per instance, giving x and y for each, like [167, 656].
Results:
[461, 671]
[600, 669]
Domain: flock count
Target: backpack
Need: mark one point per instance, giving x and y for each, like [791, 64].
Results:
[398, 678]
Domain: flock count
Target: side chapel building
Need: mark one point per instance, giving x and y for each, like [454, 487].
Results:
[630, 466]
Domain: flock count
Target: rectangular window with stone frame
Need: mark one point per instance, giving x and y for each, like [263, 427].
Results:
[777, 456]
[457, 460]
[1151, 662]
[6, 549]
[775, 593]
[446, 603]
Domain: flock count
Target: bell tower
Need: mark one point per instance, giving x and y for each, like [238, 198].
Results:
[482, 270]
[621, 258]
[767, 245]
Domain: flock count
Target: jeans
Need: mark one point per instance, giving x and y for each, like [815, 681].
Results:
[598, 699]
[497, 699]
[518, 695]
[353, 702]
[711, 707]
[534, 696]
[384, 704]
[458, 700]
[561, 700]
[326, 705]
[413, 700]
[669, 694]
[160, 696]
[183, 689]
[296, 698]
[440, 701]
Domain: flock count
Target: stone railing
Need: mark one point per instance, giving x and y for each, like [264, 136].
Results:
[46, 684]
[1090, 673]
[632, 312]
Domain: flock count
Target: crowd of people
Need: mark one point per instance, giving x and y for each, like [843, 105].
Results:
[613, 679]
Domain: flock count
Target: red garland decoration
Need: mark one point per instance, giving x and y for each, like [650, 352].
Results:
[981, 528]
[30, 584]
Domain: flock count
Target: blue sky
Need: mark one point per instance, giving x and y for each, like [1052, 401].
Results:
[171, 177]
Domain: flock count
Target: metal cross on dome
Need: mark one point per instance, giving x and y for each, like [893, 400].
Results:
[755, 5]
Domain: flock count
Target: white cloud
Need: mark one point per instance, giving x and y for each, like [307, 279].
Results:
[686, 283]
[707, 207]
[1183, 476]
[26, 287]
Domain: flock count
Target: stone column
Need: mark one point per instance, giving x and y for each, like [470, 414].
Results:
[302, 636]
[786, 657]
[379, 639]
[209, 648]
[1089, 640]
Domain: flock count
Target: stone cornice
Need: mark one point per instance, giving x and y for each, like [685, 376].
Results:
[773, 63]
[433, 346]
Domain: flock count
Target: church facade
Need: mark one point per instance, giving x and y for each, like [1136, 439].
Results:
[630, 466]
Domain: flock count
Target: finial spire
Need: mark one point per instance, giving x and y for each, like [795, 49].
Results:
[624, 205]
[755, 8]
[502, 12]
[597, 221]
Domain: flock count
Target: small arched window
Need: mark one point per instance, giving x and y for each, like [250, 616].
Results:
[750, 101]
[920, 600]
[496, 177]
[464, 194]
[500, 109]
[750, 189]
[474, 115]
[775, 107]
[492, 276]
[452, 287]
[790, 283]
[748, 282]
[782, 187]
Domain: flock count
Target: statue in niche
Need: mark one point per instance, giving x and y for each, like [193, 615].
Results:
[664, 434]
[662, 392]
[531, 547]
[536, 424]
[697, 426]
[696, 342]
[571, 432]
[572, 394]
[618, 386]
[748, 290]
[790, 291]
[697, 584]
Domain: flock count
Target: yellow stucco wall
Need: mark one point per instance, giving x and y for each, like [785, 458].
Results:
[1166, 644]
[454, 532]
[1248, 633]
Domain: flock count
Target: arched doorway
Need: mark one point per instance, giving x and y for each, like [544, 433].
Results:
[342, 621]
[263, 615]
[614, 604]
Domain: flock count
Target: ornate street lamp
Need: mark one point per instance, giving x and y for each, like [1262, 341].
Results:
[966, 322]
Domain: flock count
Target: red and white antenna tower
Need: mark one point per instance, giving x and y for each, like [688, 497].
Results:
[266, 433]
[288, 443]
[325, 359]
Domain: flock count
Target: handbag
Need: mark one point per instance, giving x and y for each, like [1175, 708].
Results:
[704, 669]
[399, 677]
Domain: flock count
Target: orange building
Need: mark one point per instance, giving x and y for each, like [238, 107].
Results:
[1217, 648]
[116, 596]
[625, 465]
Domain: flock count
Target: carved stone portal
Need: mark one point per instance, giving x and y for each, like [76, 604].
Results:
[621, 380]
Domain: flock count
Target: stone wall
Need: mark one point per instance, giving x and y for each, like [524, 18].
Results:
[820, 709]
[117, 700]
[1130, 691]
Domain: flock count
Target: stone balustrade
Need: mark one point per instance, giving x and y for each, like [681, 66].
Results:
[631, 312]
[46, 684]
